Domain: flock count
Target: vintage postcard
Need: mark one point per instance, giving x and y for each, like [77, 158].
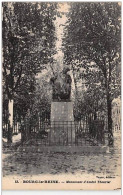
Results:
[61, 95]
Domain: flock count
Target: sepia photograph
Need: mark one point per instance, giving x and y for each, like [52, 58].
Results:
[61, 95]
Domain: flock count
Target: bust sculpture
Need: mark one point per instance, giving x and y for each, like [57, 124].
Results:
[61, 85]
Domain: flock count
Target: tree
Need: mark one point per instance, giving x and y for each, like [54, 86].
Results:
[93, 34]
[28, 45]
[91, 94]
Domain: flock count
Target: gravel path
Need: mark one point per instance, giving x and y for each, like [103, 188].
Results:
[17, 163]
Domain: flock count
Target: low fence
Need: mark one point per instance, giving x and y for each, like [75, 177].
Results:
[66, 133]
[5, 123]
[16, 128]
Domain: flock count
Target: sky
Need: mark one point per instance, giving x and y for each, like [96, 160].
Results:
[60, 25]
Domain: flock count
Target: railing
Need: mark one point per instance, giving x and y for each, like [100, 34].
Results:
[66, 133]
[83, 132]
[16, 128]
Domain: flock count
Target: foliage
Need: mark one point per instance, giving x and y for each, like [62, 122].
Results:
[28, 46]
[93, 36]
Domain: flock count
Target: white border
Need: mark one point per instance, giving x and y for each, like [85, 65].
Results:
[50, 192]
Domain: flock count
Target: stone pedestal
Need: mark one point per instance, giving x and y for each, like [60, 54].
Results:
[62, 123]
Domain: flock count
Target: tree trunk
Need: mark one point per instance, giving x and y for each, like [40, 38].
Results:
[109, 107]
[109, 110]
[10, 127]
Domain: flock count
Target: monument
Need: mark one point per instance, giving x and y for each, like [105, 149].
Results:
[62, 119]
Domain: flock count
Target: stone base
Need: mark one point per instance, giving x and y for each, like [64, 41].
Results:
[62, 123]
[66, 149]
